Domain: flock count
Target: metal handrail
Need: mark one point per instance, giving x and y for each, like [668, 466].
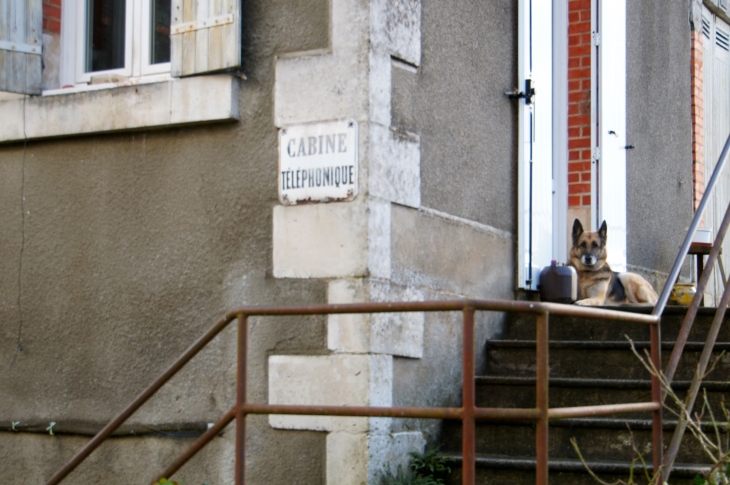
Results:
[684, 249]
[693, 308]
[468, 413]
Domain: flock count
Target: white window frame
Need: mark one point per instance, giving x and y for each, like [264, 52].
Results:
[137, 45]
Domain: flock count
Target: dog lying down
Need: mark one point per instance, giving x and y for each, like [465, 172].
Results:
[597, 284]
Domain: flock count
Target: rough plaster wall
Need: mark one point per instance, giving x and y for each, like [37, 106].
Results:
[132, 245]
[457, 105]
[659, 125]
[454, 101]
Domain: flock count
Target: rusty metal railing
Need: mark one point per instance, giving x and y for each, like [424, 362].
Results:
[468, 413]
[694, 307]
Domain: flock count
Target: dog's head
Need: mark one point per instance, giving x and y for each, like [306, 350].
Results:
[589, 248]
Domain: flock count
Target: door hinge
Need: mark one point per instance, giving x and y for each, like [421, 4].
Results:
[596, 38]
[596, 154]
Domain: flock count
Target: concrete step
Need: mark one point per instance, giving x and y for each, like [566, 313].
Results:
[520, 470]
[597, 438]
[522, 326]
[568, 358]
[519, 392]
[591, 363]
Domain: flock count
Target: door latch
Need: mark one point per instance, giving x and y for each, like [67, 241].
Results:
[528, 94]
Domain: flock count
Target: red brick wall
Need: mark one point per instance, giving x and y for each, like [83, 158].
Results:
[52, 16]
[698, 119]
[579, 103]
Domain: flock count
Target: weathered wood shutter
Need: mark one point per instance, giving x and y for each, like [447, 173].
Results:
[21, 24]
[205, 36]
[716, 92]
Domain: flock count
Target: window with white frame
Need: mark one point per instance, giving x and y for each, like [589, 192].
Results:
[118, 39]
[111, 41]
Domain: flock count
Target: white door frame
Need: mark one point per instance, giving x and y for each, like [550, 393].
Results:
[560, 130]
[608, 140]
[536, 188]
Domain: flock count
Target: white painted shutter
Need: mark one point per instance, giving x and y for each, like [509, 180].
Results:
[612, 128]
[21, 24]
[535, 198]
[205, 36]
[716, 72]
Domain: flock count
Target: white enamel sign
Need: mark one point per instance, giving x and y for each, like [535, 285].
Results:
[318, 162]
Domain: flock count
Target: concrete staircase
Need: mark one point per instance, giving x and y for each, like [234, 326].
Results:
[590, 363]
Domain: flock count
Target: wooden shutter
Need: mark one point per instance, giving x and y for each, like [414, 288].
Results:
[205, 36]
[21, 24]
[716, 73]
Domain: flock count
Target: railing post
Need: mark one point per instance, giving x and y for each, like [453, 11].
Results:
[543, 376]
[469, 402]
[656, 397]
[241, 399]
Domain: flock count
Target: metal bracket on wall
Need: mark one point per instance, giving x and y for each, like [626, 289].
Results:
[528, 94]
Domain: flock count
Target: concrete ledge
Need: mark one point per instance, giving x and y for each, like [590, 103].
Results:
[202, 99]
[395, 165]
[320, 240]
[333, 380]
[399, 334]
[473, 260]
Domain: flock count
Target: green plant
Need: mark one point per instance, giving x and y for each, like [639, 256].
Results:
[426, 468]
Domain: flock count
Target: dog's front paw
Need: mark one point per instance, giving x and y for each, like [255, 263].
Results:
[582, 302]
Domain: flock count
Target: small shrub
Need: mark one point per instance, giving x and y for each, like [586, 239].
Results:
[715, 477]
[427, 468]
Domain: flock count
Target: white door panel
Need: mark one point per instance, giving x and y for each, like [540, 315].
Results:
[535, 198]
[611, 136]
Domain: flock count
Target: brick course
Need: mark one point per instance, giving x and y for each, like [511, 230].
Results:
[698, 127]
[52, 16]
[579, 103]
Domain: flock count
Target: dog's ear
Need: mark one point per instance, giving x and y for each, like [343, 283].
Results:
[603, 232]
[577, 231]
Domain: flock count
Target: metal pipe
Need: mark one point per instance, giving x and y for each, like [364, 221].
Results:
[656, 397]
[448, 305]
[696, 381]
[138, 402]
[697, 299]
[241, 386]
[204, 439]
[602, 410]
[469, 413]
[468, 425]
[543, 380]
[664, 297]
[382, 412]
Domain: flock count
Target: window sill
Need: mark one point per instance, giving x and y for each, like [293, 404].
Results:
[202, 99]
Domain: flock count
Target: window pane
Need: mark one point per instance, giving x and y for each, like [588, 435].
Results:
[105, 31]
[160, 35]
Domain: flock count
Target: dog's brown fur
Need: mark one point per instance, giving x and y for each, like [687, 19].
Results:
[597, 284]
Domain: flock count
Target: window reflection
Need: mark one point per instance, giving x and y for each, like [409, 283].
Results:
[105, 35]
[160, 34]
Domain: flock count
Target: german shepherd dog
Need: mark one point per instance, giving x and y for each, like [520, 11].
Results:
[597, 284]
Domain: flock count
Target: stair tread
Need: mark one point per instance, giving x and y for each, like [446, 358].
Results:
[599, 383]
[599, 344]
[572, 464]
[592, 422]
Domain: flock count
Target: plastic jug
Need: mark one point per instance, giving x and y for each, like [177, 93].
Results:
[558, 283]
